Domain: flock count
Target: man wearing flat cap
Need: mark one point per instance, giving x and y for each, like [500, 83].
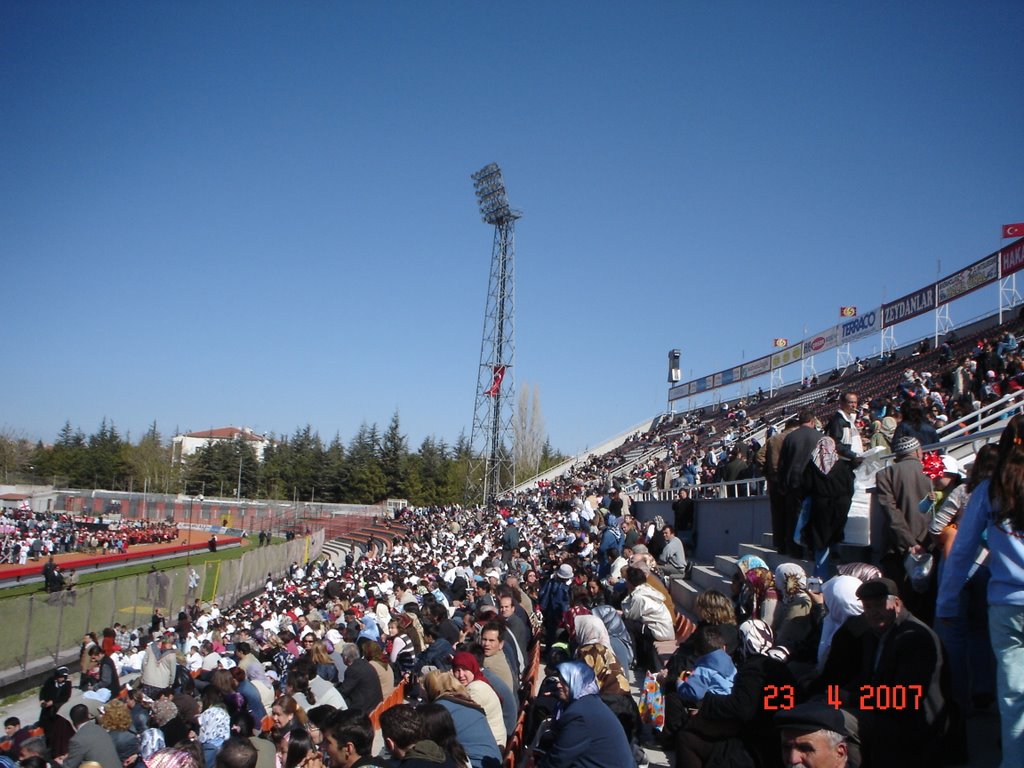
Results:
[817, 735]
[899, 689]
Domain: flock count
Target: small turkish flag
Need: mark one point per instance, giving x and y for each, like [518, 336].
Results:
[1013, 230]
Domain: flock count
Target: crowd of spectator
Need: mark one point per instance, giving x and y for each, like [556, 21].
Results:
[26, 535]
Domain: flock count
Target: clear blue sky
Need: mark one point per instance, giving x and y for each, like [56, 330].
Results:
[261, 213]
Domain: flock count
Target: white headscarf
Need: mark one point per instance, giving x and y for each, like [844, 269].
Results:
[840, 593]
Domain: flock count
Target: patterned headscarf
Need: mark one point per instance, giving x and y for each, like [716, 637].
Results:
[756, 636]
[171, 758]
[825, 455]
[790, 580]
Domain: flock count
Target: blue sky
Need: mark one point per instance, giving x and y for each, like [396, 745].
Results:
[261, 214]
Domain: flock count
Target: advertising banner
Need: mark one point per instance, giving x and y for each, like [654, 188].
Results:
[757, 367]
[968, 279]
[787, 356]
[906, 307]
[819, 342]
[847, 311]
[1011, 258]
[861, 326]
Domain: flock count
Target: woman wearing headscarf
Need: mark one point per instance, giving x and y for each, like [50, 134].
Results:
[620, 641]
[753, 589]
[55, 691]
[828, 485]
[471, 726]
[728, 725]
[793, 621]
[467, 671]
[586, 733]
[592, 649]
[839, 595]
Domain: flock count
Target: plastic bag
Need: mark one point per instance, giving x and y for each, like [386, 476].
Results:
[919, 569]
[652, 703]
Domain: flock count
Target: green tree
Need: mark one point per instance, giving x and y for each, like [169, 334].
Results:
[394, 459]
[365, 482]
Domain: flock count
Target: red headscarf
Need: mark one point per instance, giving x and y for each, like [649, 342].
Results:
[467, 661]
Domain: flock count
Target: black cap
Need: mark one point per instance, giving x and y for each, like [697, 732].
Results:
[818, 716]
[878, 588]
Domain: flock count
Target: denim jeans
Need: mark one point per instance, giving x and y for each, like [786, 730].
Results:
[967, 642]
[1006, 625]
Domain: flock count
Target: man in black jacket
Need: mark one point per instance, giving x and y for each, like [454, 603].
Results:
[794, 457]
[842, 428]
[361, 686]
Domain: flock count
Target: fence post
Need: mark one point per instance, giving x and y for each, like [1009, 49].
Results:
[60, 632]
[28, 634]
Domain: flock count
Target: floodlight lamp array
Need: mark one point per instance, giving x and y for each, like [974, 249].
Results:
[491, 196]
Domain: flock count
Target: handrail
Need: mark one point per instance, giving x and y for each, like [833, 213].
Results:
[756, 486]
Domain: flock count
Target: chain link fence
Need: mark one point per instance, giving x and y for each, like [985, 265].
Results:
[41, 631]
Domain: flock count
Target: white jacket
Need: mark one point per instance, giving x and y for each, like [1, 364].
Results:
[646, 604]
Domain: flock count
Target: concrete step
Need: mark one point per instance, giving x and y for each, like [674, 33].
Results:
[773, 558]
[725, 565]
[767, 540]
[706, 577]
[684, 594]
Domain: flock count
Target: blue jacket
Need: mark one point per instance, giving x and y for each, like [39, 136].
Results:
[588, 735]
[1006, 557]
[713, 673]
[474, 734]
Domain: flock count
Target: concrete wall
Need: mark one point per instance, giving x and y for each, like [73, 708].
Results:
[721, 524]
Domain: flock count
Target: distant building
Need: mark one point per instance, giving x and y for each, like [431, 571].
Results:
[187, 444]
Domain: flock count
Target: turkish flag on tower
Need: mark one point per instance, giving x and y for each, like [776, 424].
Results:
[495, 388]
[1013, 230]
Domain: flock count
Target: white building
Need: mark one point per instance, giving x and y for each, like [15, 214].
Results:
[187, 444]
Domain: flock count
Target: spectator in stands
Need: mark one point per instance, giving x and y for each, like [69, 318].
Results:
[647, 619]
[361, 685]
[914, 424]
[996, 509]
[586, 735]
[828, 489]
[672, 558]
[792, 623]
[467, 671]
[470, 721]
[769, 458]
[900, 650]
[816, 735]
[901, 487]
[713, 670]
[349, 740]
[843, 429]
[90, 742]
[401, 728]
[797, 449]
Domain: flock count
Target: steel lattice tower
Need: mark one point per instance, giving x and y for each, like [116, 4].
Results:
[492, 469]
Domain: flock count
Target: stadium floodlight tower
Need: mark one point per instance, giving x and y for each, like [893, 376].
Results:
[492, 470]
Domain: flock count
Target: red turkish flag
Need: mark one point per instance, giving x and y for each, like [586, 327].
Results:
[495, 388]
[1013, 230]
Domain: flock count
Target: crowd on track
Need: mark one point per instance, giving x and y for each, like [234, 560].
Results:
[26, 535]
